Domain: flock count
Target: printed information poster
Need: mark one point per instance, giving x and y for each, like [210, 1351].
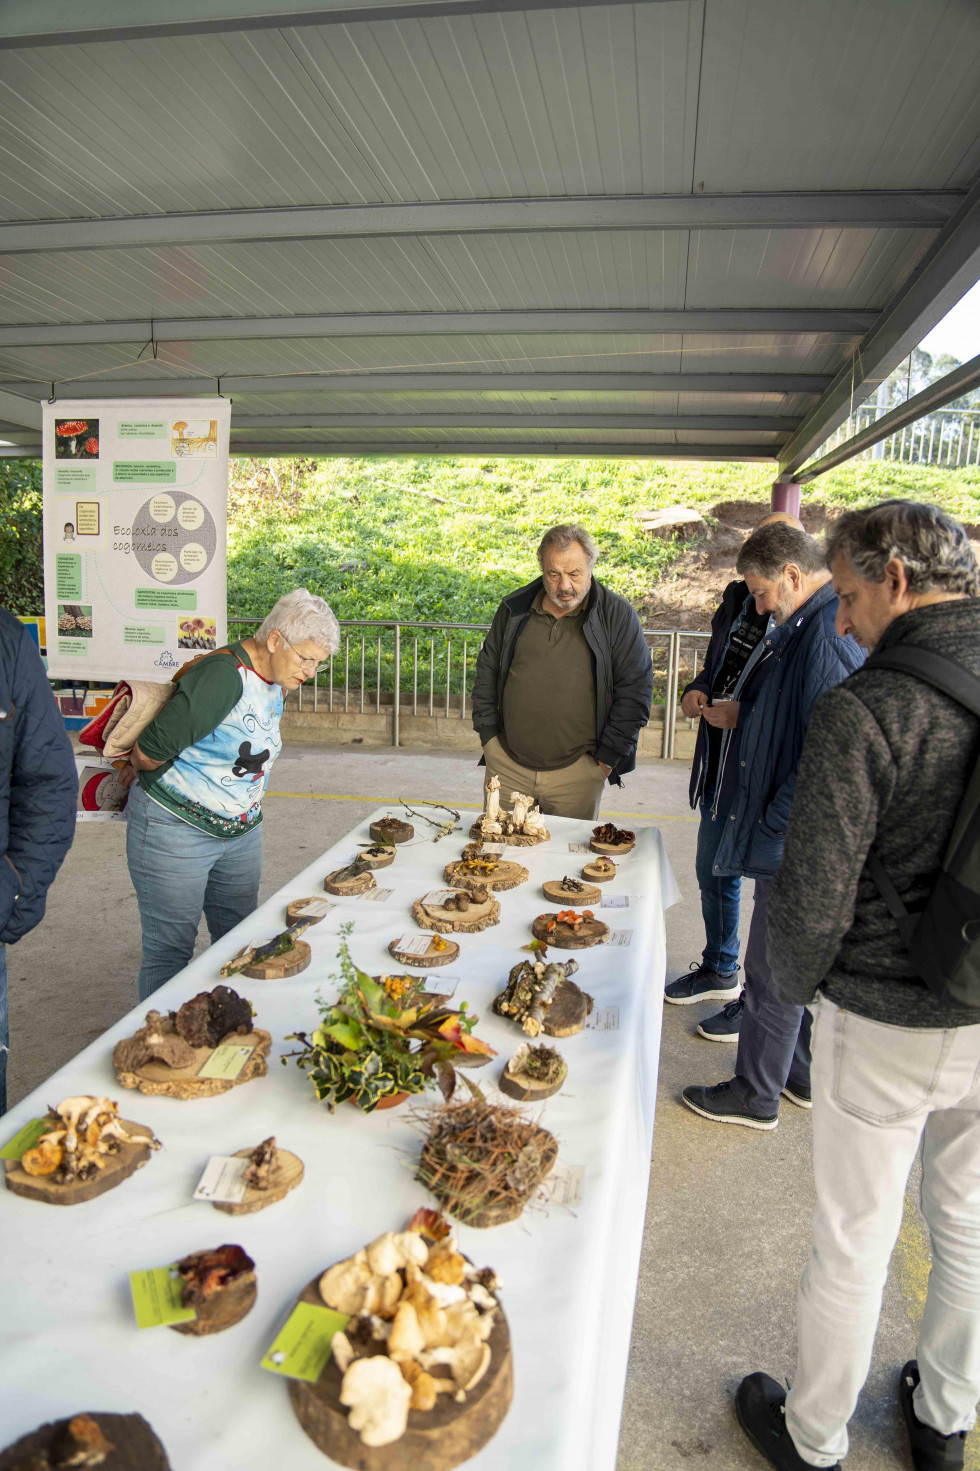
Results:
[135, 500]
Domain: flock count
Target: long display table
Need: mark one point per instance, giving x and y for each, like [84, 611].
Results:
[68, 1340]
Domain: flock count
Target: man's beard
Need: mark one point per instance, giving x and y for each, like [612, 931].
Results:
[784, 608]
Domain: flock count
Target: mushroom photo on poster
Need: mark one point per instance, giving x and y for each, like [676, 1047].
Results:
[76, 439]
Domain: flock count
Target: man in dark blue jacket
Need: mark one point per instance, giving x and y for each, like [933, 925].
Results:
[736, 628]
[37, 799]
[765, 725]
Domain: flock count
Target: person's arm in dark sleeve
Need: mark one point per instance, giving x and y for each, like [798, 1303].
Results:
[720, 628]
[632, 676]
[486, 714]
[43, 798]
[201, 701]
[846, 777]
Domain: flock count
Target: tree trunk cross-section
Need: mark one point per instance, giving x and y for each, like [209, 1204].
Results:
[135, 1446]
[117, 1168]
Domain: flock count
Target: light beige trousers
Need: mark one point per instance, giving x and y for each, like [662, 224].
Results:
[571, 791]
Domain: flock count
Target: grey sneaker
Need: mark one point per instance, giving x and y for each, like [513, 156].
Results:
[725, 1026]
[701, 984]
[722, 1106]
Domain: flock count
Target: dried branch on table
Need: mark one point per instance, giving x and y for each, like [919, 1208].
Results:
[484, 1161]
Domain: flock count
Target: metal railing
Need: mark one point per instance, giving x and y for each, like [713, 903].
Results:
[949, 437]
[399, 666]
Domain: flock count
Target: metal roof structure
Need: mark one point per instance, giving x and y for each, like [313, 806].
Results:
[684, 228]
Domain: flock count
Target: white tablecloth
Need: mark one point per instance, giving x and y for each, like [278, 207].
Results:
[68, 1340]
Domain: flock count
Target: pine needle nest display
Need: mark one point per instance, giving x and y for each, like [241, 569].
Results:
[384, 1039]
[483, 1161]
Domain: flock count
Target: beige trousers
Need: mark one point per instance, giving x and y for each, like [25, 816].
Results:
[571, 791]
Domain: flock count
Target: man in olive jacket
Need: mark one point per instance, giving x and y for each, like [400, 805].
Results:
[563, 683]
[886, 764]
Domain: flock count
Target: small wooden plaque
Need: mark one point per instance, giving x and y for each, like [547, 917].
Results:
[448, 921]
[513, 840]
[228, 1306]
[591, 932]
[134, 1445]
[155, 1078]
[555, 892]
[430, 959]
[359, 884]
[280, 967]
[507, 875]
[434, 1440]
[567, 1012]
[518, 1085]
[598, 875]
[117, 1168]
[612, 850]
[395, 832]
[382, 861]
[288, 1173]
[294, 910]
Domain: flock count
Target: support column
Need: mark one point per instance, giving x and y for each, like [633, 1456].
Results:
[786, 495]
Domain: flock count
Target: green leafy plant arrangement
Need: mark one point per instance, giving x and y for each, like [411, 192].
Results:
[384, 1037]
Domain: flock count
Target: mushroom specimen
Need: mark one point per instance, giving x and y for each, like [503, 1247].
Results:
[152, 1044]
[68, 430]
[83, 1132]
[531, 988]
[211, 1015]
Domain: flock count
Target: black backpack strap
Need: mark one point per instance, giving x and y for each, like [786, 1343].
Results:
[893, 902]
[942, 673]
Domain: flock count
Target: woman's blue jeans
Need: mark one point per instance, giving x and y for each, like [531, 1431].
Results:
[719, 898]
[177, 872]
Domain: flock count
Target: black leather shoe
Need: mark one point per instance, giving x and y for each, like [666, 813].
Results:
[930, 1450]
[760, 1404]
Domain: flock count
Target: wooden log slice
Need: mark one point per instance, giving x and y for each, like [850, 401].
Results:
[280, 967]
[567, 1012]
[134, 1445]
[295, 908]
[156, 1079]
[382, 860]
[507, 875]
[612, 850]
[598, 875]
[554, 890]
[591, 932]
[499, 1211]
[431, 957]
[528, 1090]
[391, 830]
[359, 884]
[228, 1306]
[513, 840]
[434, 1440]
[448, 921]
[286, 1175]
[117, 1168]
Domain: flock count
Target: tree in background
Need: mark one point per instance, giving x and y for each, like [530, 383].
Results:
[21, 576]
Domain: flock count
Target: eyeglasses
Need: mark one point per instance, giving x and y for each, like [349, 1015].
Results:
[309, 665]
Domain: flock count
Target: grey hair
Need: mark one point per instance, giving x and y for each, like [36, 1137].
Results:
[562, 537]
[771, 548]
[300, 616]
[933, 548]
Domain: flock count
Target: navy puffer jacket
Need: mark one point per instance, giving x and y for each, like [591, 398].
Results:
[37, 783]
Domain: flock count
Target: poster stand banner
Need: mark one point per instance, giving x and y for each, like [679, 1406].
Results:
[135, 504]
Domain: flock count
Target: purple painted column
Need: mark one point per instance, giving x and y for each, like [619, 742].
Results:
[786, 496]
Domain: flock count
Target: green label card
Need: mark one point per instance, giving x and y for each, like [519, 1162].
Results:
[143, 633]
[74, 646]
[164, 597]
[74, 477]
[68, 575]
[303, 1346]
[225, 1062]
[144, 472]
[156, 1297]
[25, 1139]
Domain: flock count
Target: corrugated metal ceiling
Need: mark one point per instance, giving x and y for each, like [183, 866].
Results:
[683, 97]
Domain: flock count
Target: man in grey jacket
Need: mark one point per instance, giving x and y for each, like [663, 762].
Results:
[563, 683]
[887, 761]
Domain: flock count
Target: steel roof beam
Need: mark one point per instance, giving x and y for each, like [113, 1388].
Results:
[921, 209]
[20, 410]
[419, 449]
[721, 423]
[441, 324]
[950, 267]
[945, 390]
[413, 382]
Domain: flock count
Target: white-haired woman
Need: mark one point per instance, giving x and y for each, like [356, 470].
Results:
[194, 840]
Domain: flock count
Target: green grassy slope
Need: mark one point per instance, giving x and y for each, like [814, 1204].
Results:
[434, 539]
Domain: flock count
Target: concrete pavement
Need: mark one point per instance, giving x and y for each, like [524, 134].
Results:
[727, 1229]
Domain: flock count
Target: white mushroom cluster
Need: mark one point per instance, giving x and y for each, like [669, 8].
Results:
[83, 1132]
[421, 1321]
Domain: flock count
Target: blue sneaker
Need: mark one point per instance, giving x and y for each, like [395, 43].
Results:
[724, 1027]
[702, 984]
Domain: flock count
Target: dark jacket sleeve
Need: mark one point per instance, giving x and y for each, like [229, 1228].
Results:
[43, 788]
[486, 711]
[632, 685]
[721, 624]
[846, 776]
[830, 668]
